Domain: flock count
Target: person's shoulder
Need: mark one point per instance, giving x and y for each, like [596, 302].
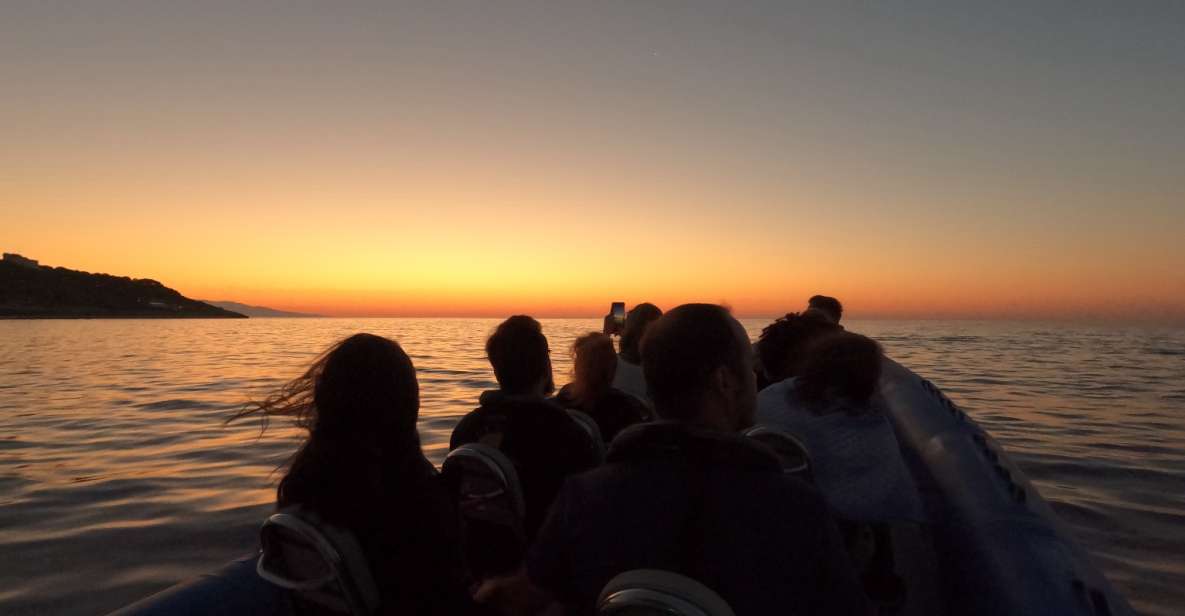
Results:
[778, 401]
[557, 411]
[780, 389]
[428, 485]
[626, 401]
[469, 427]
[616, 393]
[550, 416]
[563, 397]
[626, 367]
[571, 424]
[473, 417]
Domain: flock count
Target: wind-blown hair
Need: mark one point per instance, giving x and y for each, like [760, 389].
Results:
[359, 402]
[782, 343]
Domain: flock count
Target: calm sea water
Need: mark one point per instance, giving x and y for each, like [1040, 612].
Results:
[118, 476]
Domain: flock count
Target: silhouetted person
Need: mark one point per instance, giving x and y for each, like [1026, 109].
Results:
[540, 438]
[629, 367]
[834, 408]
[361, 468]
[827, 307]
[688, 494]
[594, 363]
[781, 347]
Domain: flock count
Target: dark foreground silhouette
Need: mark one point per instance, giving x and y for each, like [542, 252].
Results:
[31, 291]
[698, 512]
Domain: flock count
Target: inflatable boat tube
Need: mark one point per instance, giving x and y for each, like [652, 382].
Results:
[1000, 548]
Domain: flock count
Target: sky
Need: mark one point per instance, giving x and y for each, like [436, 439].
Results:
[923, 159]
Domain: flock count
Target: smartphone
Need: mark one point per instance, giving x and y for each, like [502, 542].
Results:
[617, 310]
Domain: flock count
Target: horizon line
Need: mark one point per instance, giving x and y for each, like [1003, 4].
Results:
[1163, 319]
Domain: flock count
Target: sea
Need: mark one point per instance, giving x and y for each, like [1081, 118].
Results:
[119, 474]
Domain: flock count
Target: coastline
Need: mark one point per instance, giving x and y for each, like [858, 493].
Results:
[62, 317]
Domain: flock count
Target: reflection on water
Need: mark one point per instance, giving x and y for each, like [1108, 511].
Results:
[118, 476]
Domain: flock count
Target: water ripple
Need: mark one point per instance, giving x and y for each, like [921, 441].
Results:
[118, 476]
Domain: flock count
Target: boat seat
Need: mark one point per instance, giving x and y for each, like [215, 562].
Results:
[489, 497]
[796, 459]
[322, 565]
[594, 431]
[646, 592]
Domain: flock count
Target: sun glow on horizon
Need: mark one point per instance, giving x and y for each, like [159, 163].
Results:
[483, 161]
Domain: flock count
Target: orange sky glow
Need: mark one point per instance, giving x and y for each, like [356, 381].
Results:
[421, 162]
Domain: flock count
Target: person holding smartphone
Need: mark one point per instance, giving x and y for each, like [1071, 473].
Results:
[630, 327]
[615, 320]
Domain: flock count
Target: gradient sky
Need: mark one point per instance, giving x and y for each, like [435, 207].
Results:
[929, 159]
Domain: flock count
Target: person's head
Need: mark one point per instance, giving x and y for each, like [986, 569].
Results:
[781, 344]
[359, 402]
[636, 323]
[362, 387]
[840, 367]
[518, 352]
[698, 365]
[594, 363]
[828, 307]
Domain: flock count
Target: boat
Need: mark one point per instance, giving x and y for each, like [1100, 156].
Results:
[991, 545]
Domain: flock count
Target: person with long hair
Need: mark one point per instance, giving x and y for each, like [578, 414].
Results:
[594, 365]
[361, 468]
[781, 347]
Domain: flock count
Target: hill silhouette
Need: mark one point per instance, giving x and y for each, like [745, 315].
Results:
[258, 311]
[30, 290]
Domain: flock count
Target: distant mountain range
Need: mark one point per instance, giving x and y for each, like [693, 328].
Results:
[258, 311]
[31, 290]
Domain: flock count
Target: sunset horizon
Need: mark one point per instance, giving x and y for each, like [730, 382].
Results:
[568, 308]
[793, 299]
[950, 164]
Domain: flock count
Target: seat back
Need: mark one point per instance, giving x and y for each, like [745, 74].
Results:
[322, 565]
[589, 425]
[795, 458]
[489, 497]
[652, 592]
